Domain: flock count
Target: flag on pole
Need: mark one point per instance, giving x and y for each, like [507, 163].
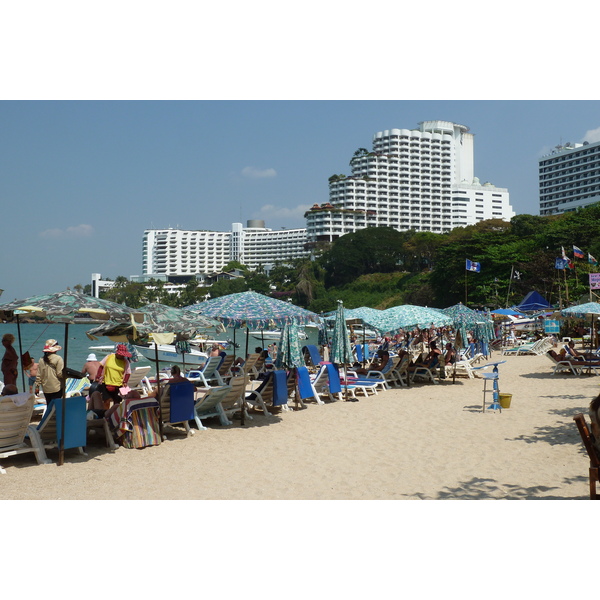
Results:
[578, 252]
[592, 260]
[564, 256]
[516, 275]
[561, 263]
[472, 266]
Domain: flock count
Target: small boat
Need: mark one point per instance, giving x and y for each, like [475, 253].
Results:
[102, 349]
[274, 335]
[168, 353]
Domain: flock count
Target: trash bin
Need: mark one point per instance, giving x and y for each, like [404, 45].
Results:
[505, 400]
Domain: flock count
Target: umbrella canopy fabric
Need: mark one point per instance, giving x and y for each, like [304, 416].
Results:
[341, 349]
[408, 316]
[63, 306]
[466, 319]
[253, 310]
[582, 310]
[289, 354]
[158, 319]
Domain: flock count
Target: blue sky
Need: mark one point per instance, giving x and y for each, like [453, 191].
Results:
[187, 117]
[81, 180]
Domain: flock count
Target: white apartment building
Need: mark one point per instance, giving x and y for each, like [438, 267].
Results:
[421, 179]
[178, 253]
[569, 178]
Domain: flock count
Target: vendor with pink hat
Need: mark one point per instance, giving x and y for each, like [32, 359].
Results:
[113, 374]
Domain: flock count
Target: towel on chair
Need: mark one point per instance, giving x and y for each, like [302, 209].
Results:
[19, 399]
[304, 385]
[333, 377]
[280, 391]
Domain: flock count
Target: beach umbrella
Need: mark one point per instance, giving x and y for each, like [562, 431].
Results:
[408, 316]
[466, 319]
[507, 312]
[63, 307]
[341, 349]
[289, 354]
[252, 310]
[583, 310]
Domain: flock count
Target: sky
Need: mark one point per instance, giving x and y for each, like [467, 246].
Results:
[162, 119]
[80, 181]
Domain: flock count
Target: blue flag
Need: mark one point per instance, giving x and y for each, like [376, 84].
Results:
[472, 266]
[561, 263]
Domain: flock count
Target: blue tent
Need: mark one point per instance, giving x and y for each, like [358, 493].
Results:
[533, 301]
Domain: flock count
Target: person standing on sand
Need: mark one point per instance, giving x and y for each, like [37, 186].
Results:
[50, 372]
[10, 362]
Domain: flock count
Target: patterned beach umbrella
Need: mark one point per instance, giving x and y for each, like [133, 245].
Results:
[409, 316]
[63, 307]
[289, 354]
[341, 349]
[466, 319]
[582, 310]
[253, 310]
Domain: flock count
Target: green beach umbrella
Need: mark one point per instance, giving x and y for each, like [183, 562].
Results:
[408, 316]
[289, 354]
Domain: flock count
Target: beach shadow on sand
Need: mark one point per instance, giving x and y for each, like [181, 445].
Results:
[479, 488]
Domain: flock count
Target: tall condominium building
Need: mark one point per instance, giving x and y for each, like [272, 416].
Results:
[569, 178]
[178, 253]
[421, 179]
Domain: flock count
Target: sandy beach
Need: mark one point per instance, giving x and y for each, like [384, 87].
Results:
[424, 442]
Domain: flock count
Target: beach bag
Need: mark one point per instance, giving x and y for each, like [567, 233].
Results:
[26, 360]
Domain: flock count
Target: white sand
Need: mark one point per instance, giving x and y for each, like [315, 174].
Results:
[426, 442]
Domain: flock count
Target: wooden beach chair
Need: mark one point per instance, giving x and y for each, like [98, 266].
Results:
[17, 436]
[586, 438]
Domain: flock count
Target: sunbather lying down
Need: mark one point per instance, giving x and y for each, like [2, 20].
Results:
[564, 357]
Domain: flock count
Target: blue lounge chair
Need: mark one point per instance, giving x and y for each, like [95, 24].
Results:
[50, 427]
[311, 354]
[177, 405]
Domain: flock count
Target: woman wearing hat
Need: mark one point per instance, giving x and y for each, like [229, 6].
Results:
[114, 373]
[50, 372]
[10, 361]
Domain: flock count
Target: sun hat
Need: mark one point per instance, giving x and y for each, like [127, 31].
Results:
[122, 351]
[52, 346]
[91, 356]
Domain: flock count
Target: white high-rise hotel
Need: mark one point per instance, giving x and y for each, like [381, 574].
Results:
[421, 179]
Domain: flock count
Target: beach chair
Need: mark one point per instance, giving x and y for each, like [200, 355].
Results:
[262, 395]
[17, 436]
[311, 355]
[50, 427]
[305, 388]
[388, 374]
[208, 404]
[423, 373]
[225, 367]
[208, 373]
[76, 386]
[232, 402]
[248, 368]
[464, 367]
[177, 405]
[586, 438]
[137, 378]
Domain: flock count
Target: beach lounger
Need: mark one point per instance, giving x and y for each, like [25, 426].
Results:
[225, 367]
[232, 402]
[177, 405]
[50, 427]
[594, 468]
[17, 436]
[137, 378]
[305, 388]
[75, 387]
[208, 404]
[571, 366]
[312, 357]
[207, 374]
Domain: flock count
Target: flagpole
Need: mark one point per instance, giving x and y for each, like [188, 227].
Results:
[466, 289]
[512, 269]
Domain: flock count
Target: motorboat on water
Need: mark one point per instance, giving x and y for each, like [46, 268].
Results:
[168, 353]
[274, 335]
[102, 349]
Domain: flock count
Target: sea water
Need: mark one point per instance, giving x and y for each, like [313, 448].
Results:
[33, 336]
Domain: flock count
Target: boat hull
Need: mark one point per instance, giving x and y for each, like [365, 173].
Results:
[168, 354]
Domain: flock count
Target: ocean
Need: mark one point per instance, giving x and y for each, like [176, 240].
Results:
[34, 336]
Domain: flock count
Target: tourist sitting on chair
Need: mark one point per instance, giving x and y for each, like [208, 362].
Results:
[383, 365]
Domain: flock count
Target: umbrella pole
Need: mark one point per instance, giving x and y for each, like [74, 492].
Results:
[243, 419]
[21, 351]
[61, 445]
[160, 420]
